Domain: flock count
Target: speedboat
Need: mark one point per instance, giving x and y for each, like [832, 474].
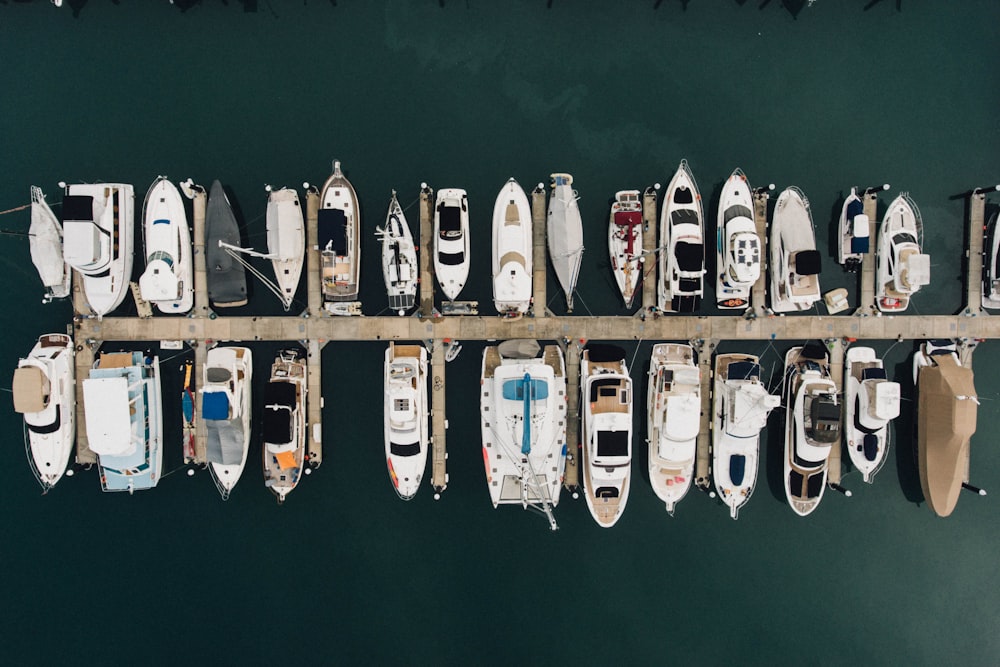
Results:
[991, 266]
[399, 259]
[947, 407]
[741, 405]
[45, 393]
[625, 243]
[738, 247]
[168, 281]
[123, 411]
[673, 416]
[451, 241]
[606, 390]
[285, 423]
[812, 425]
[564, 234]
[901, 269]
[286, 241]
[682, 245]
[226, 409]
[795, 262]
[226, 276]
[871, 401]
[523, 417]
[405, 417]
[339, 224]
[512, 251]
[45, 241]
[98, 240]
[853, 232]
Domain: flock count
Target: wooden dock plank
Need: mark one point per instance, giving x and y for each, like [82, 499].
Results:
[425, 247]
[759, 291]
[84, 362]
[866, 302]
[314, 403]
[200, 435]
[836, 348]
[703, 459]
[649, 252]
[439, 421]
[974, 254]
[314, 287]
[572, 479]
[198, 206]
[538, 268]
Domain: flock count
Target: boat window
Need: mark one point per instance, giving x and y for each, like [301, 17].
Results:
[612, 443]
[683, 195]
[824, 419]
[46, 428]
[814, 485]
[609, 384]
[795, 483]
[404, 449]
[451, 258]
[449, 220]
[689, 256]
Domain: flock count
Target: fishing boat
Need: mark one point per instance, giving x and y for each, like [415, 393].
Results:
[45, 394]
[226, 276]
[871, 401]
[564, 234]
[901, 270]
[451, 241]
[226, 411]
[682, 245]
[399, 259]
[123, 411]
[606, 390]
[98, 240]
[741, 404]
[812, 425]
[853, 232]
[523, 417]
[285, 423]
[512, 251]
[991, 266]
[625, 243]
[405, 417]
[286, 241]
[168, 281]
[339, 225]
[45, 241]
[947, 407]
[738, 247]
[795, 262]
[673, 420]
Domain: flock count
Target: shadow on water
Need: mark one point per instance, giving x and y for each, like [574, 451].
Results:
[904, 434]
[872, 3]
[711, 209]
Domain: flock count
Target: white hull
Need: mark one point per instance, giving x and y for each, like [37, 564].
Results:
[399, 259]
[991, 267]
[564, 234]
[512, 250]
[404, 423]
[340, 249]
[794, 260]
[673, 421]
[286, 241]
[284, 424]
[738, 249]
[45, 240]
[853, 232]
[869, 404]
[682, 245]
[168, 281]
[900, 268]
[229, 372]
[451, 241]
[625, 243]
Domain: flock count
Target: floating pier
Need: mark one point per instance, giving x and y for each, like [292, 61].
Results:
[866, 302]
[974, 254]
[650, 253]
[835, 346]
[314, 285]
[572, 479]
[703, 459]
[439, 420]
[539, 275]
[425, 253]
[758, 293]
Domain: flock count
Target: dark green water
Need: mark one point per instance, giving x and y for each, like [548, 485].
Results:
[466, 95]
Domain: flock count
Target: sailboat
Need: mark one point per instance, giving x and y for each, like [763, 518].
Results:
[901, 270]
[226, 411]
[682, 243]
[853, 232]
[399, 259]
[564, 235]
[45, 241]
[738, 247]
[404, 419]
[451, 241]
[226, 276]
[285, 424]
[740, 407]
[98, 240]
[45, 394]
[523, 417]
[871, 401]
[168, 281]
[991, 266]
[339, 240]
[512, 251]
[795, 262]
[625, 243]
[673, 415]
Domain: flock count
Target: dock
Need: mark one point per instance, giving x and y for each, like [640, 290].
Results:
[974, 254]
[866, 302]
[539, 276]
[836, 348]
[572, 478]
[314, 402]
[703, 460]
[425, 252]
[439, 420]
[314, 285]
[650, 254]
[758, 294]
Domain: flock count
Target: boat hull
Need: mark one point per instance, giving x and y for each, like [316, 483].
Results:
[451, 241]
[512, 250]
[682, 245]
[405, 431]
[564, 235]
[168, 281]
[794, 261]
[226, 277]
[286, 241]
[673, 414]
[738, 248]
[339, 238]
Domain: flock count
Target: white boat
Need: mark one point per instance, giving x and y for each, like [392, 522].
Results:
[405, 417]
[45, 394]
[795, 262]
[625, 243]
[339, 227]
[286, 241]
[673, 414]
[740, 407]
[226, 411]
[168, 281]
[738, 247]
[606, 402]
[901, 269]
[284, 424]
[682, 245]
[399, 259]
[98, 240]
[451, 241]
[45, 241]
[564, 235]
[123, 410]
[991, 266]
[812, 426]
[871, 401]
[853, 232]
[512, 251]
[523, 417]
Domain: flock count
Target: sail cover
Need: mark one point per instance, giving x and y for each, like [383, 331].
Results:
[279, 400]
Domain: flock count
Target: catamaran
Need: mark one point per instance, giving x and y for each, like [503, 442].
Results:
[564, 235]
[339, 241]
[285, 424]
[853, 232]
[451, 241]
[98, 240]
[871, 401]
[625, 243]
[795, 262]
[45, 394]
[738, 247]
[168, 281]
[124, 415]
[901, 268]
[512, 251]
[226, 276]
[404, 422]
[682, 245]
[226, 411]
[673, 420]
[523, 418]
[45, 241]
[399, 259]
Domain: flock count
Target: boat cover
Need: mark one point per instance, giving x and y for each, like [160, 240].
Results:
[737, 468]
[689, 255]
[628, 218]
[215, 405]
[859, 245]
[808, 262]
[78, 207]
[513, 390]
[612, 444]
[46, 246]
[870, 446]
[605, 353]
[224, 441]
[332, 228]
[682, 419]
[279, 401]
[31, 389]
[449, 220]
[227, 281]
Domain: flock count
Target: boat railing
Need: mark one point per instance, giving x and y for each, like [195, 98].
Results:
[530, 483]
[917, 219]
[31, 459]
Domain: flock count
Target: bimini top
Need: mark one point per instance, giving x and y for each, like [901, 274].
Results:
[278, 421]
[332, 228]
[808, 262]
[31, 390]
